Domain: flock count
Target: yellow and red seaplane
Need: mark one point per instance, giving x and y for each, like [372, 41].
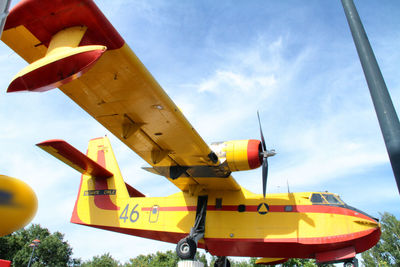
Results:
[70, 44]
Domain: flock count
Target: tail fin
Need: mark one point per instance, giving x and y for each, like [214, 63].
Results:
[101, 184]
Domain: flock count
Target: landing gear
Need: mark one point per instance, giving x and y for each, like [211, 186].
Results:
[351, 263]
[222, 262]
[186, 247]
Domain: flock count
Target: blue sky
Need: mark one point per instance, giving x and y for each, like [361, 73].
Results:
[221, 61]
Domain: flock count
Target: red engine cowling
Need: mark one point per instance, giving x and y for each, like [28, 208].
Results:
[240, 155]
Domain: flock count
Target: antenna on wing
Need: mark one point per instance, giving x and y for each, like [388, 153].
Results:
[288, 190]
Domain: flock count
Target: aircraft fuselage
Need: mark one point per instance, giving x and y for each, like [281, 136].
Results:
[237, 223]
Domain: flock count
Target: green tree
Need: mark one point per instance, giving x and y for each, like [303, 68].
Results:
[161, 259]
[140, 261]
[242, 263]
[387, 251]
[202, 258]
[105, 260]
[300, 262]
[290, 263]
[52, 251]
[168, 258]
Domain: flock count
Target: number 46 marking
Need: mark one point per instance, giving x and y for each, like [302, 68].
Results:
[134, 215]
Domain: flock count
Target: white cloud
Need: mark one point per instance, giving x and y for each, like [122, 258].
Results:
[226, 82]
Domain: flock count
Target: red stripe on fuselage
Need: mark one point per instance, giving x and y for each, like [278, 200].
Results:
[275, 208]
[184, 208]
[102, 201]
[45, 18]
[301, 209]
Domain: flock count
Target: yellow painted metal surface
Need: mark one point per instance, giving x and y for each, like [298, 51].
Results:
[236, 155]
[265, 261]
[70, 37]
[18, 204]
[24, 43]
[122, 95]
[119, 90]
[176, 213]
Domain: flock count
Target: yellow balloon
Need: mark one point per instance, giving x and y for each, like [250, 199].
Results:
[18, 204]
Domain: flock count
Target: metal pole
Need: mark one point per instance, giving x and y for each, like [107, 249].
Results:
[35, 243]
[387, 117]
[30, 259]
[4, 6]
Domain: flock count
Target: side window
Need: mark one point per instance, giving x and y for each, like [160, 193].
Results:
[317, 199]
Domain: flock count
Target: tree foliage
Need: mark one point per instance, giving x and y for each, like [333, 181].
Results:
[303, 262]
[387, 251]
[105, 260]
[252, 263]
[161, 259]
[52, 251]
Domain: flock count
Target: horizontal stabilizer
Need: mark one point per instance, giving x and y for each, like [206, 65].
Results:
[74, 158]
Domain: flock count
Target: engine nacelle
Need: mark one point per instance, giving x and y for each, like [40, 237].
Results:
[240, 155]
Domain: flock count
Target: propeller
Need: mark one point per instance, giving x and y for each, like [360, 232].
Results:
[264, 154]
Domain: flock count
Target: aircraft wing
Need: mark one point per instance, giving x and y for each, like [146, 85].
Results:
[117, 90]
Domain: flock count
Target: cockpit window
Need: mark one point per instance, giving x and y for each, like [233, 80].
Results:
[317, 199]
[341, 200]
[326, 199]
[331, 199]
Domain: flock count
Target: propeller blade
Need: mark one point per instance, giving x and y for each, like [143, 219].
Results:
[264, 147]
[264, 154]
[264, 175]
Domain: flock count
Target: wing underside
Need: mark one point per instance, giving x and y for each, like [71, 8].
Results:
[119, 92]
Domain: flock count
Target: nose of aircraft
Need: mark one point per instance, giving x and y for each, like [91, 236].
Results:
[370, 237]
[366, 229]
[362, 214]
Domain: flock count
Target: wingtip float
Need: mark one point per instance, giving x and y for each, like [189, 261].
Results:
[62, 50]
[56, 69]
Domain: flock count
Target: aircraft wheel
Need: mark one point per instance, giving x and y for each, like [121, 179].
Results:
[352, 263]
[186, 248]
